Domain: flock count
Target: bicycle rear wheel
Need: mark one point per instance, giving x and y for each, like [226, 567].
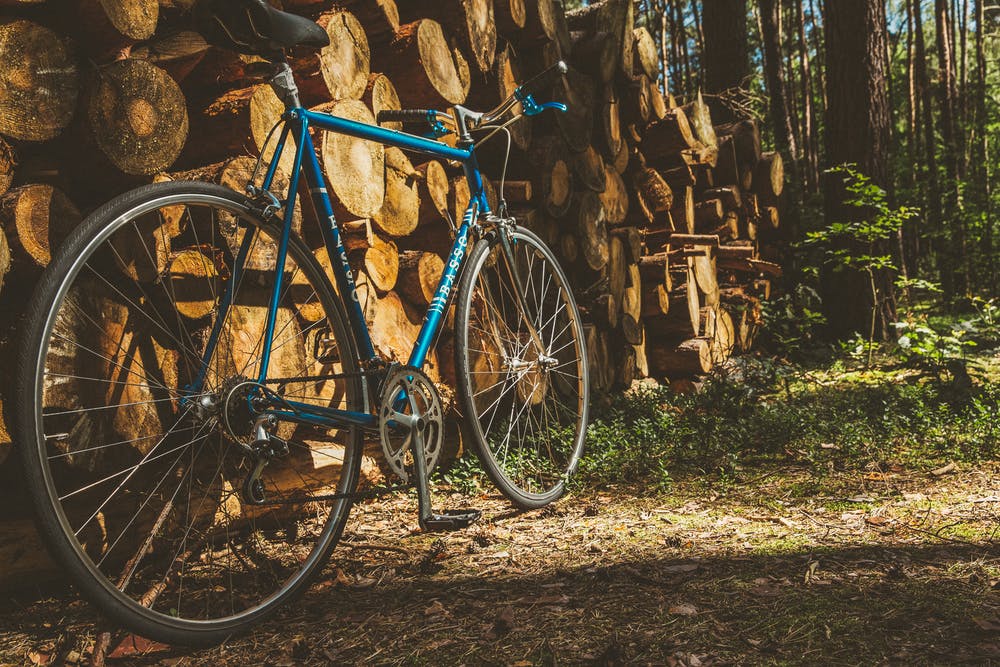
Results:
[526, 408]
[131, 431]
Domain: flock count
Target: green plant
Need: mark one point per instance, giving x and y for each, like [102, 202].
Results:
[918, 342]
[858, 245]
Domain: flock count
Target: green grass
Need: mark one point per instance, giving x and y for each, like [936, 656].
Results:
[828, 417]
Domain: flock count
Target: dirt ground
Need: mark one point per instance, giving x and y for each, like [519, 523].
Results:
[782, 567]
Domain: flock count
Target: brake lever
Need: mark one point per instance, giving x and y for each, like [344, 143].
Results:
[532, 108]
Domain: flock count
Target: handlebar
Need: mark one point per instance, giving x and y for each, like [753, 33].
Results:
[441, 123]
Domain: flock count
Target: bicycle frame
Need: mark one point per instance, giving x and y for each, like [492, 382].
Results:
[299, 120]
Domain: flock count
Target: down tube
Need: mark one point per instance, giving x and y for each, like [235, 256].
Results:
[335, 248]
[442, 295]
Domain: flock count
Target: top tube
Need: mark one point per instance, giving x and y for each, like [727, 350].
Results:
[384, 135]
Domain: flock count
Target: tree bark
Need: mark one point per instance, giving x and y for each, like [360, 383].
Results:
[857, 124]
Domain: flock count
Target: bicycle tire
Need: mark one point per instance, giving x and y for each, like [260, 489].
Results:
[257, 531]
[526, 477]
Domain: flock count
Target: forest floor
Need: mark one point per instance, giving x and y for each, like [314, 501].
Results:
[888, 565]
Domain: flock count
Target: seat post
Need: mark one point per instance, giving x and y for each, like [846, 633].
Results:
[284, 86]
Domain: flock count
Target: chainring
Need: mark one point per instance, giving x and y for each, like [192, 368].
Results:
[410, 392]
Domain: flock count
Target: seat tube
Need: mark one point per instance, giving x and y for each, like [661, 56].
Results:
[286, 232]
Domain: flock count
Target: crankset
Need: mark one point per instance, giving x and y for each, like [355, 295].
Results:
[411, 430]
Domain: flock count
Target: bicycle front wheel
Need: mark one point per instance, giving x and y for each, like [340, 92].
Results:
[522, 367]
[135, 413]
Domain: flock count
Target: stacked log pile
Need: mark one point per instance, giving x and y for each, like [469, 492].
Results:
[658, 215]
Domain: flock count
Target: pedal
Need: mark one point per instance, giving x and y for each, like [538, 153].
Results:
[450, 520]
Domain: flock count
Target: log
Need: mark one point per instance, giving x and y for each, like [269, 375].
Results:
[622, 157]
[419, 272]
[769, 178]
[541, 21]
[645, 54]
[427, 72]
[354, 168]
[471, 21]
[680, 240]
[380, 18]
[5, 439]
[379, 262]
[653, 195]
[5, 260]
[39, 82]
[655, 270]
[668, 136]
[554, 175]
[339, 71]
[746, 146]
[679, 177]
[109, 27]
[700, 119]
[726, 171]
[568, 248]
[400, 211]
[380, 95]
[394, 327]
[487, 93]
[616, 268]
[729, 196]
[234, 174]
[511, 15]
[8, 160]
[632, 306]
[588, 167]
[632, 240]
[135, 363]
[612, 16]
[683, 212]
[655, 301]
[433, 188]
[724, 338]
[692, 357]
[176, 53]
[191, 274]
[587, 214]
[610, 123]
[36, 219]
[138, 116]
[770, 217]
[708, 213]
[596, 54]
[578, 92]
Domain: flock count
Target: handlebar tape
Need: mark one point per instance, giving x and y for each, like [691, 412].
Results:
[405, 115]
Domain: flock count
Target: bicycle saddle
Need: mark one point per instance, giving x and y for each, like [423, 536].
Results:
[254, 27]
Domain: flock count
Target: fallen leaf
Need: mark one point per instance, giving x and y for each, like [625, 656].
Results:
[683, 609]
[436, 609]
[134, 645]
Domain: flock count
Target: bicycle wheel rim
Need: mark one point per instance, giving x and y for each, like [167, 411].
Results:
[168, 621]
[522, 404]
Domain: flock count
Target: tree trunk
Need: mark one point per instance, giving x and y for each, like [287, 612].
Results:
[857, 124]
[770, 15]
[726, 57]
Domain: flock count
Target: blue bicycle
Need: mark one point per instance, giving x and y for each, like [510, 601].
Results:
[188, 492]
